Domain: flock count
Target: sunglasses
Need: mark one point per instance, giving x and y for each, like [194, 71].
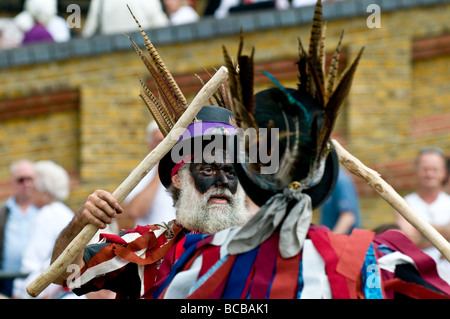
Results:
[22, 180]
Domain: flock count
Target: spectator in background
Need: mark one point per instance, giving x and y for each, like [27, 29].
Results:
[51, 188]
[180, 12]
[10, 34]
[112, 16]
[431, 203]
[16, 220]
[303, 3]
[341, 212]
[223, 10]
[149, 203]
[40, 22]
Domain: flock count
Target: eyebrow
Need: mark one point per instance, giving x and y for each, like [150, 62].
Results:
[215, 165]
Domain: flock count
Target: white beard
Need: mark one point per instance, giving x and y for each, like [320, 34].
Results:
[195, 213]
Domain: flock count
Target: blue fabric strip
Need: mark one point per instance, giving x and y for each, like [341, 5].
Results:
[300, 280]
[192, 239]
[239, 273]
[271, 281]
[370, 274]
[190, 248]
[208, 274]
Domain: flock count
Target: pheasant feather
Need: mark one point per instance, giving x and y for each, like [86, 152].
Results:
[333, 69]
[158, 112]
[241, 80]
[171, 103]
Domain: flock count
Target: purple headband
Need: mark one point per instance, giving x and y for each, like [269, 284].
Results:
[202, 128]
[206, 128]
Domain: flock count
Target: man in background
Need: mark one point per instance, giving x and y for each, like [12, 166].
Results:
[112, 17]
[431, 203]
[17, 216]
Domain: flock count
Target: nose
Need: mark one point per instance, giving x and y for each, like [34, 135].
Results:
[221, 179]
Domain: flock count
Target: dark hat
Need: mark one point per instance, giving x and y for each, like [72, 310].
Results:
[213, 127]
[285, 110]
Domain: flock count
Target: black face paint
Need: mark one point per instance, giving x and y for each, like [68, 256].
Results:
[207, 176]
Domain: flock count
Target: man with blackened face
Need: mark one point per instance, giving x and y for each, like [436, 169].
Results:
[208, 196]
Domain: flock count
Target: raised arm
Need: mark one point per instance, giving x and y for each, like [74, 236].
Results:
[99, 210]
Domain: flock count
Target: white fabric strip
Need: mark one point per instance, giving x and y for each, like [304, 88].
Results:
[106, 266]
[315, 280]
[390, 261]
[183, 281]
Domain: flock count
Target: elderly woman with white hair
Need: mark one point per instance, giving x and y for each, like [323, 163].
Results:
[39, 21]
[51, 188]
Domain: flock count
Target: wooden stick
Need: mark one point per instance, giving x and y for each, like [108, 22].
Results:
[81, 240]
[393, 198]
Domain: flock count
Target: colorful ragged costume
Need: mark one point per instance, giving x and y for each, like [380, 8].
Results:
[165, 262]
[360, 265]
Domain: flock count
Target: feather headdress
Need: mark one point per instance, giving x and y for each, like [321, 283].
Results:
[311, 109]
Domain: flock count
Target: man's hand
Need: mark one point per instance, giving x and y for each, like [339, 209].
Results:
[99, 209]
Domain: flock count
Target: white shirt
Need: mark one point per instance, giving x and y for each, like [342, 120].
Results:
[113, 16]
[162, 209]
[303, 3]
[50, 221]
[57, 27]
[437, 213]
[186, 14]
[223, 10]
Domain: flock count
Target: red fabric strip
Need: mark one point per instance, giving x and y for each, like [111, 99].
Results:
[247, 284]
[142, 229]
[162, 272]
[426, 266]
[351, 253]
[338, 242]
[149, 277]
[352, 258]
[413, 290]
[285, 283]
[104, 254]
[147, 240]
[210, 257]
[162, 251]
[201, 246]
[264, 267]
[338, 283]
[113, 238]
[179, 248]
[218, 293]
[213, 283]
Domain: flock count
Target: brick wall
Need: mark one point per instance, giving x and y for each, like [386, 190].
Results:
[399, 101]
[38, 127]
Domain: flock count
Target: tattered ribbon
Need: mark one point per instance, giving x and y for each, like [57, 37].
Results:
[261, 226]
